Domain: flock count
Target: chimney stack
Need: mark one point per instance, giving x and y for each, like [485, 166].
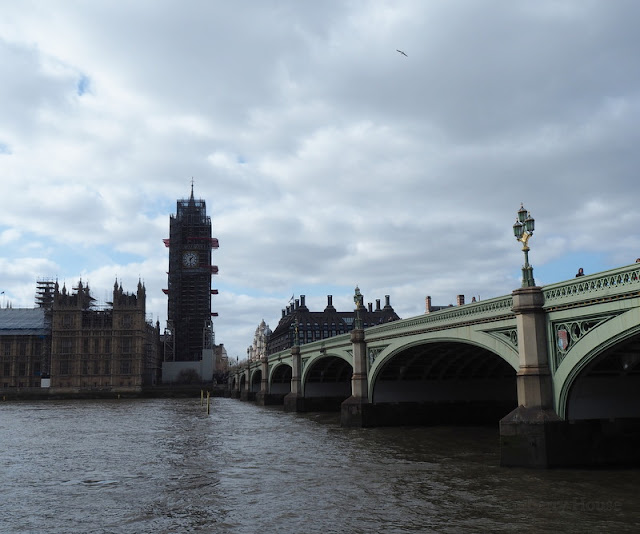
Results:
[460, 300]
[427, 304]
[370, 306]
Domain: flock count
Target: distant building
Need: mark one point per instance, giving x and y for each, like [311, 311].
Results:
[25, 337]
[428, 307]
[67, 343]
[221, 370]
[313, 326]
[112, 349]
[258, 348]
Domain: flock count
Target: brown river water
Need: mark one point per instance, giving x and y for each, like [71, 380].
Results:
[166, 466]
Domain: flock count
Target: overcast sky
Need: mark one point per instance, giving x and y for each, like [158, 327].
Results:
[326, 158]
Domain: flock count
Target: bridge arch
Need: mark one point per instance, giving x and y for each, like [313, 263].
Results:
[438, 359]
[600, 376]
[256, 379]
[466, 334]
[445, 380]
[328, 375]
[280, 379]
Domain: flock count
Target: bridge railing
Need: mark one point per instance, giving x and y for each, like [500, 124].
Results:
[623, 282]
[619, 283]
[466, 313]
[324, 345]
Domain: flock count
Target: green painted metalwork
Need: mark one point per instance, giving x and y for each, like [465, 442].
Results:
[506, 335]
[475, 312]
[373, 353]
[570, 332]
[615, 284]
[589, 346]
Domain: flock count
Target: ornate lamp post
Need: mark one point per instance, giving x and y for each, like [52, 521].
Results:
[523, 230]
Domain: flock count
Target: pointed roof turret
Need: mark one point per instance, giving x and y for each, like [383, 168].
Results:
[192, 200]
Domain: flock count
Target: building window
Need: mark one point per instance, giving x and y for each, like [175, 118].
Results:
[107, 367]
[36, 368]
[64, 367]
[66, 320]
[107, 346]
[96, 346]
[126, 321]
[7, 348]
[22, 369]
[96, 367]
[85, 367]
[7, 369]
[85, 345]
[22, 348]
[125, 367]
[126, 345]
[66, 346]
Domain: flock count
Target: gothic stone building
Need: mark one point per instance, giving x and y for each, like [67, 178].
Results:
[109, 349]
[189, 324]
[24, 347]
[68, 344]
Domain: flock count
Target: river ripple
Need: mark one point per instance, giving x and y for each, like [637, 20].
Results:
[141, 466]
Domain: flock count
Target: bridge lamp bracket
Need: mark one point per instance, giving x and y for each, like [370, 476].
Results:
[523, 230]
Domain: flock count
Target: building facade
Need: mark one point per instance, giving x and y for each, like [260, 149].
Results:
[258, 348]
[298, 322]
[189, 281]
[68, 343]
[103, 349]
[25, 338]
[429, 308]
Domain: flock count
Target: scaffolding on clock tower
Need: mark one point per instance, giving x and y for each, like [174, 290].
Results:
[189, 316]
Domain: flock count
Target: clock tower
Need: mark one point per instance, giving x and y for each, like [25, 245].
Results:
[189, 326]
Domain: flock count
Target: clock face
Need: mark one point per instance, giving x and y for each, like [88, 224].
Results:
[190, 259]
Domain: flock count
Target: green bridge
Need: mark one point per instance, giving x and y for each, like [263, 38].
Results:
[557, 366]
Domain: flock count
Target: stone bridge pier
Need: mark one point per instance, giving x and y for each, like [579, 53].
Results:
[356, 410]
[294, 401]
[528, 435]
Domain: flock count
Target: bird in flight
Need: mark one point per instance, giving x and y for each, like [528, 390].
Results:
[405, 55]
